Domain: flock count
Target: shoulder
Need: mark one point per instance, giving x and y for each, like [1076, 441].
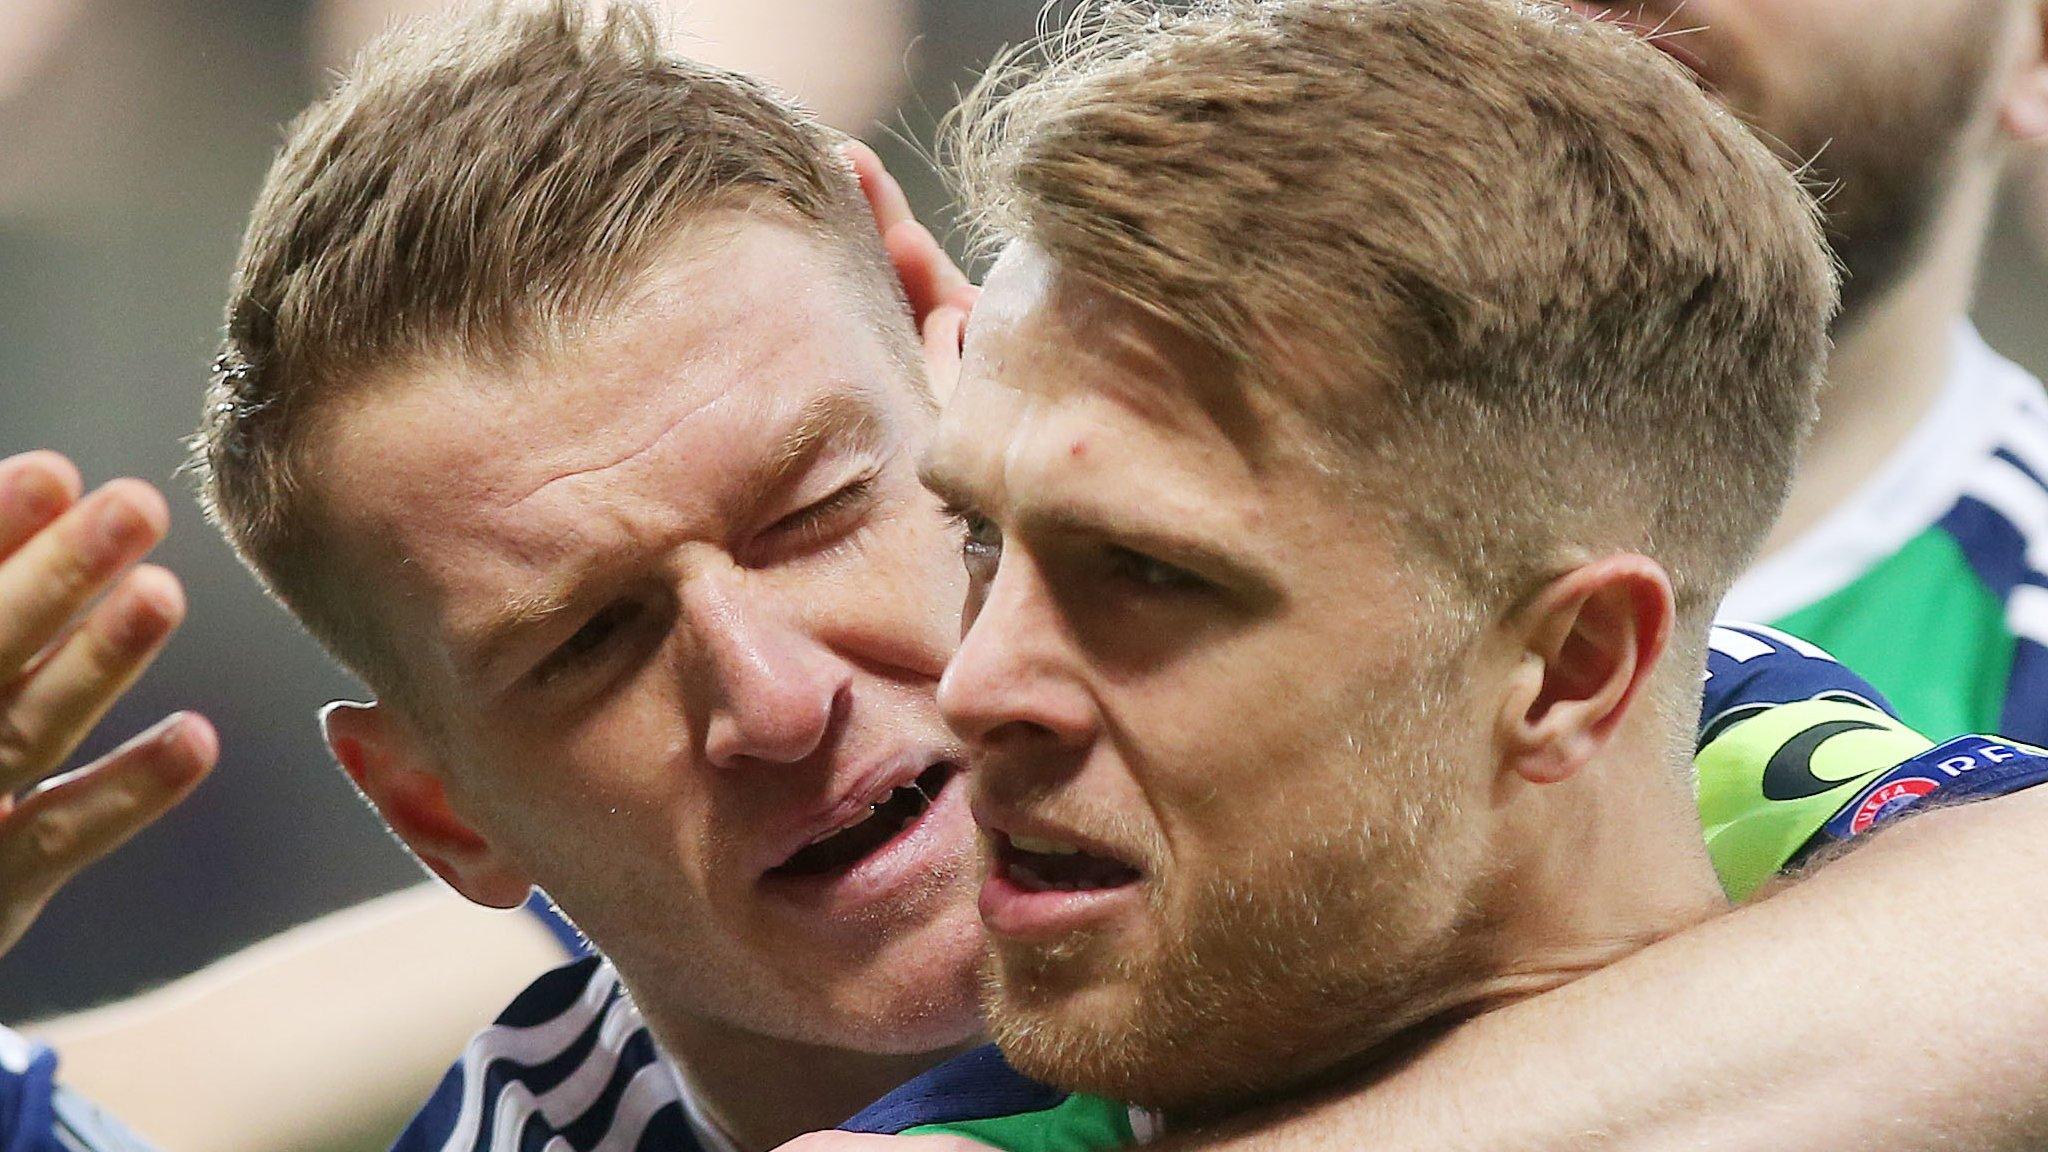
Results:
[976, 1085]
[1751, 668]
[39, 1115]
[569, 1060]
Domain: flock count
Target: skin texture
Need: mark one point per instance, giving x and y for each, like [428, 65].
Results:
[1372, 848]
[717, 666]
[1884, 360]
[1092, 660]
[325, 1059]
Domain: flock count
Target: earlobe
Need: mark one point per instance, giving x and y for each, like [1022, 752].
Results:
[2024, 115]
[1589, 642]
[405, 784]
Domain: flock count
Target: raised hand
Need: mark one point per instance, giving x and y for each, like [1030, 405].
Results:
[940, 294]
[80, 618]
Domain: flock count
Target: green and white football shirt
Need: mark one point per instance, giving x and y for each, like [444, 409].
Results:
[1932, 580]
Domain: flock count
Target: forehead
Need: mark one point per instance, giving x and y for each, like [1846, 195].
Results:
[1054, 369]
[454, 472]
[1077, 409]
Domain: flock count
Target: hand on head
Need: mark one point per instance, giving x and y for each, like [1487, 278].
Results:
[80, 618]
[940, 294]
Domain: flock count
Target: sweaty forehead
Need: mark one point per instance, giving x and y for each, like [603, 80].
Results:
[655, 411]
[1040, 330]
[1065, 389]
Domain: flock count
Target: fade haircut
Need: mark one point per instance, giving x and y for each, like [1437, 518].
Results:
[1510, 261]
[477, 186]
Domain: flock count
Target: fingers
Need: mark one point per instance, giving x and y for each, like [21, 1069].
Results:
[885, 196]
[930, 278]
[52, 710]
[943, 331]
[76, 819]
[61, 568]
[35, 488]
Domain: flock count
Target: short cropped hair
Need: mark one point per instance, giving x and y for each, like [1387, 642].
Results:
[475, 186]
[1513, 258]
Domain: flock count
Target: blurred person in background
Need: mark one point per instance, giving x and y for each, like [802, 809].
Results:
[1915, 542]
[1863, 31]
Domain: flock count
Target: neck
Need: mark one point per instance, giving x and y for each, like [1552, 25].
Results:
[763, 1091]
[1890, 361]
[1587, 872]
[1608, 863]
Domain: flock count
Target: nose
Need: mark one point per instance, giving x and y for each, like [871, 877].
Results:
[773, 689]
[1015, 677]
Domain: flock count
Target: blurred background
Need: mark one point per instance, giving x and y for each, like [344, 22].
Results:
[133, 134]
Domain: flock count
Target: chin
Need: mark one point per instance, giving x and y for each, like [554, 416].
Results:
[920, 996]
[1240, 1012]
[1089, 1044]
[1121, 1030]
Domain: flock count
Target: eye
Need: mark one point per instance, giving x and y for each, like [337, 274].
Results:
[1150, 574]
[816, 522]
[589, 643]
[981, 542]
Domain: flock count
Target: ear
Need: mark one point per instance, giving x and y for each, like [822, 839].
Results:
[390, 765]
[1587, 645]
[2024, 111]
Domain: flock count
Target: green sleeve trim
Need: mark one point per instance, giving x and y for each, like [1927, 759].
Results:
[1752, 835]
[1077, 1124]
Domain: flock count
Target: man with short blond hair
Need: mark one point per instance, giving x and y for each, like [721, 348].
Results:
[665, 609]
[585, 152]
[1369, 407]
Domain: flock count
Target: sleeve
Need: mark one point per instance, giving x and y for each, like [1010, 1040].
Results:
[37, 1114]
[1797, 752]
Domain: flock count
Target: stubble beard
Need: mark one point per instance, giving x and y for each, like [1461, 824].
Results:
[1272, 977]
[1888, 153]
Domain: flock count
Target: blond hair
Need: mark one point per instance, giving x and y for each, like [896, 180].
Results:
[475, 185]
[1510, 257]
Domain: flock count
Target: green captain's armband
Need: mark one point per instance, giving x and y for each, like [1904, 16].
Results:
[1768, 784]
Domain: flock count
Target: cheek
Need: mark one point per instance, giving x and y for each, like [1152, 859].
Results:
[571, 798]
[895, 595]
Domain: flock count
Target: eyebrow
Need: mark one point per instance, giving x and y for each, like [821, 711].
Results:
[1216, 561]
[847, 420]
[479, 651]
[840, 418]
[1063, 518]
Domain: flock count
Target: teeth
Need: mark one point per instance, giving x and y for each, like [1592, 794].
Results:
[849, 826]
[1039, 847]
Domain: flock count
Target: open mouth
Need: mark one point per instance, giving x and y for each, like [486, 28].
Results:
[887, 819]
[1039, 865]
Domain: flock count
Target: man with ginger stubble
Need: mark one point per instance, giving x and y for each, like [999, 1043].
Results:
[571, 487]
[1227, 398]
[1338, 577]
